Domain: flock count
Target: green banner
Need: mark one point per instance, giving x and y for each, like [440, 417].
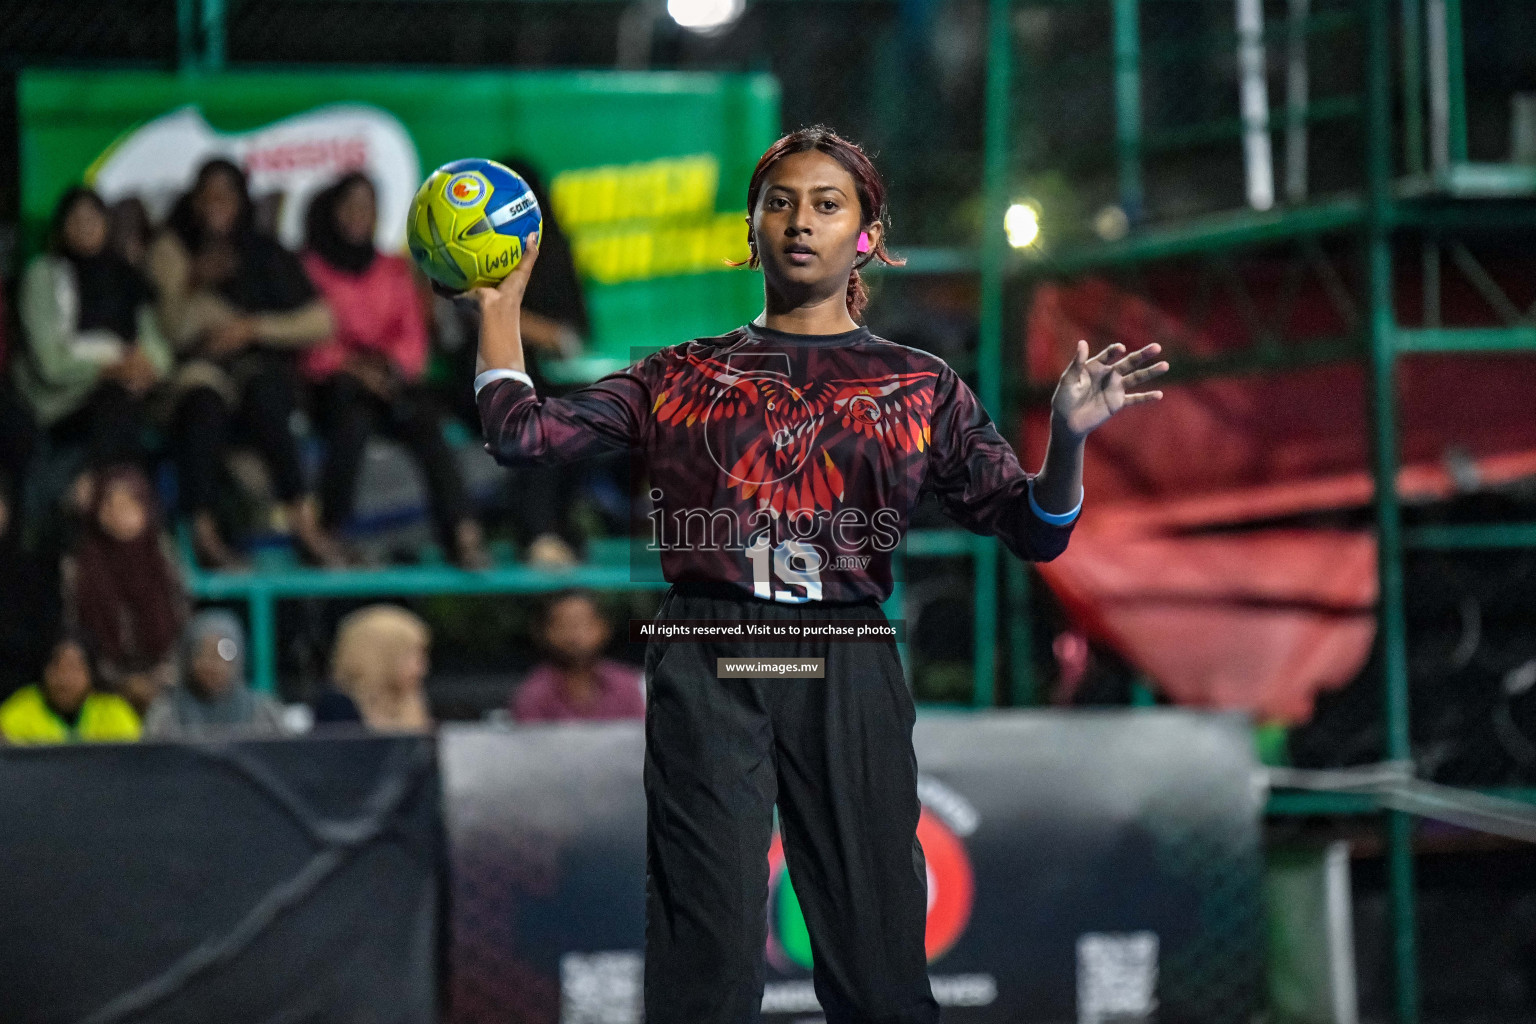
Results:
[647, 171]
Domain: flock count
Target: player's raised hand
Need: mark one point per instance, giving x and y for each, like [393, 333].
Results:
[509, 293]
[1092, 390]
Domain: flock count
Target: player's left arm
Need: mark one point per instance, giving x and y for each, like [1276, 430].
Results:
[1090, 391]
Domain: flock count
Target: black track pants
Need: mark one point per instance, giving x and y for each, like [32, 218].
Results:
[836, 755]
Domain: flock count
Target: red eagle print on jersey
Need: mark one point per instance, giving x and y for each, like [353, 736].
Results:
[787, 429]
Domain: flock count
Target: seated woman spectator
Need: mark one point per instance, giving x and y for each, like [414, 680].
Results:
[212, 698]
[378, 671]
[122, 590]
[368, 374]
[575, 681]
[94, 345]
[237, 307]
[63, 708]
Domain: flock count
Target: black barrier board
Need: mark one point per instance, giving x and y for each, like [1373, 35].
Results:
[284, 880]
[1084, 867]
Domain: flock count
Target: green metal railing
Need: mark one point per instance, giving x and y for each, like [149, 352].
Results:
[610, 568]
[1437, 167]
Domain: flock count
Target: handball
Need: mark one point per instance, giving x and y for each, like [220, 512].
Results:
[469, 224]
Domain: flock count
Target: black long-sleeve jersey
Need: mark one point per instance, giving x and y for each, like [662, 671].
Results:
[786, 464]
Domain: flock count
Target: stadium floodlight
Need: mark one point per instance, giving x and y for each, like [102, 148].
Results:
[705, 16]
[1022, 225]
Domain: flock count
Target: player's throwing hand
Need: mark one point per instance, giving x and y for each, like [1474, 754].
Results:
[510, 290]
[1092, 390]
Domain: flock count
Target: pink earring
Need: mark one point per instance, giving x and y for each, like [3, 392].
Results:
[863, 241]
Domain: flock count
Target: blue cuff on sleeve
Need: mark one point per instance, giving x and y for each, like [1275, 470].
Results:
[1055, 519]
[489, 375]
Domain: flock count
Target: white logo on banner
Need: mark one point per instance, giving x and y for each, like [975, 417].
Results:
[289, 160]
[948, 990]
[601, 988]
[1116, 977]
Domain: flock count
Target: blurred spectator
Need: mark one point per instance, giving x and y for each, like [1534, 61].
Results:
[94, 345]
[554, 324]
[212, 698]
[17, 431]
[237, 306]
[122, 589]
[576, 681]
[131, 231]
[29, 599]
[380, 665]
[368, 374]
[63, 707]
[333, 707]
[17, 439]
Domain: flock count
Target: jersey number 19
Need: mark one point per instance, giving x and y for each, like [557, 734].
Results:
[794, 562]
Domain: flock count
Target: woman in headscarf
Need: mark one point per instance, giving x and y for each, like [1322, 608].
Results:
[94, 345]
[380, 662]
[212, 698]
[238, 307]
[122, 589]
[368, 374]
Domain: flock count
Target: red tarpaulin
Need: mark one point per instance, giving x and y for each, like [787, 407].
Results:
[1258, 619]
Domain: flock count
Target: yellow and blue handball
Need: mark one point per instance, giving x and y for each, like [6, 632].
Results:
[470, 222]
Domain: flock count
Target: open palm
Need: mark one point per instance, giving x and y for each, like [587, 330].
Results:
[1092, 390]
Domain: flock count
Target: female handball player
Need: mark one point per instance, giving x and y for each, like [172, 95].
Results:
[784, 459]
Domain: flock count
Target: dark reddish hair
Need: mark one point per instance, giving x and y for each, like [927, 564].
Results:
[867, 183]
[127, 596]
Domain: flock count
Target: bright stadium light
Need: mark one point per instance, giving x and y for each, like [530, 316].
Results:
[1022, 225]
[705, 16]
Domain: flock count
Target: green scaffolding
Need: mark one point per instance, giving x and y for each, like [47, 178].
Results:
[1441, 193]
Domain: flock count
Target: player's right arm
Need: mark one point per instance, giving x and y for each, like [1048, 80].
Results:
[501, 318]
[522, 428]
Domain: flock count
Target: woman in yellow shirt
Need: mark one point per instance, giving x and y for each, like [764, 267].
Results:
[63, 708]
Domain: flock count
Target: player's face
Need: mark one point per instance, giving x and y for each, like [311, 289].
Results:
[807, 225]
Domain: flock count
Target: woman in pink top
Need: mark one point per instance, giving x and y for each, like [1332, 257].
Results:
[368, 374]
